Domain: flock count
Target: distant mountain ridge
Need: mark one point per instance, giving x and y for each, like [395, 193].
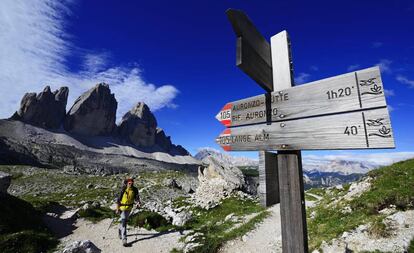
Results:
[225, 158]
[317, 171]
[310, 165]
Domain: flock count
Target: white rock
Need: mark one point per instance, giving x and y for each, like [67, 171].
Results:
[85, 246]
[339, 187]
[229, 217]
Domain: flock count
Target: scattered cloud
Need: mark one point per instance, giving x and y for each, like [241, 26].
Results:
[377, 44]
[302, 78]
[384, 65]
[389, 93]
[95, 62]
[390, 108]
[353, 67]
[405, 80]
[34, 52]
[314, 68]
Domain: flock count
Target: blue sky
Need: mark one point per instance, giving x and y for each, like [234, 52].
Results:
[179, 56]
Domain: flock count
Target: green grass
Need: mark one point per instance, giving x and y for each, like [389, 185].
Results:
[390, 185]
[21, 227]
[249, 171]
[27, 241]
[70, 190]
[411, 247]
[150, 220]
[215, 230]
[317, 191]
[96, 214]
[309, 197]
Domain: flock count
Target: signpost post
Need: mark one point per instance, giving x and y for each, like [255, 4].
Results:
[342, 112]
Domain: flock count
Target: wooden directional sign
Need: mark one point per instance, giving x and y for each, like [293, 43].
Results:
[353, 91]
[354, 130]
[253, 51]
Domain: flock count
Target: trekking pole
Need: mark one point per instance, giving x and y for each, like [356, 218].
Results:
[112, 222]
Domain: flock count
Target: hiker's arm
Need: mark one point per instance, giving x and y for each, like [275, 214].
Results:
[118, 200]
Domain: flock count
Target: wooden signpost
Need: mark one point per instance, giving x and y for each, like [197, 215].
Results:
[349, 92]
[342, 112]
[354, 130]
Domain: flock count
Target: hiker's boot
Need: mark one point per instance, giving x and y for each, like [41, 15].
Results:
[124, 242]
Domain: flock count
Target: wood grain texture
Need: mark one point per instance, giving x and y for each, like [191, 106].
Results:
[281, 61]
[292, 204]
[353, 91]
[251, 63]
[293, 212]
[244, 27]
[355, 130]
[268, 189]
[253, 50]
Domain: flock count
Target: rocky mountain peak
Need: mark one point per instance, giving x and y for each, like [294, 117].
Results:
[45, 109]
[139, 126]
[93, 113]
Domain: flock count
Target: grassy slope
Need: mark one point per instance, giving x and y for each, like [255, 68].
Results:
[21, 227]
[70, 190]
[391, 185]
[215, 230]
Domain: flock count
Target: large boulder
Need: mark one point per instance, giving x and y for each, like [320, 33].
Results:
[5, 180]
[93, 113]
[217, 181]
[233, 176]
[46, 109]
[139, 126]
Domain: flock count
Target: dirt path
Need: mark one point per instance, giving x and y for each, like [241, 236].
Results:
[140, 240]
[267, 237]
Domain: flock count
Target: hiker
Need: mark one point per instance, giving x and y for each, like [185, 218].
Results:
[128, 195]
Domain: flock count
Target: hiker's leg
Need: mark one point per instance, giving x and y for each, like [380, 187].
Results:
[123, 224]
[120, 227]
[124, 221]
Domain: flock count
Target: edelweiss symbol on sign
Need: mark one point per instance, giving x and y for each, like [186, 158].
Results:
[375, 89]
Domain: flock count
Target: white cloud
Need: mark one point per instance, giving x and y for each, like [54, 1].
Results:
[377, 44]
[302, 78]
[389, 93]
[314, 68]
[405, 80]
[95, 62]
[353, 67]
[384, 65]
[34, 50]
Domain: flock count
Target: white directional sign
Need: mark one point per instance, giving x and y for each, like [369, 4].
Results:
[354, 130]
[353, 91]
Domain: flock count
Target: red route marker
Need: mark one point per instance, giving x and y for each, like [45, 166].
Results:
[226, 132]
[224, 116]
